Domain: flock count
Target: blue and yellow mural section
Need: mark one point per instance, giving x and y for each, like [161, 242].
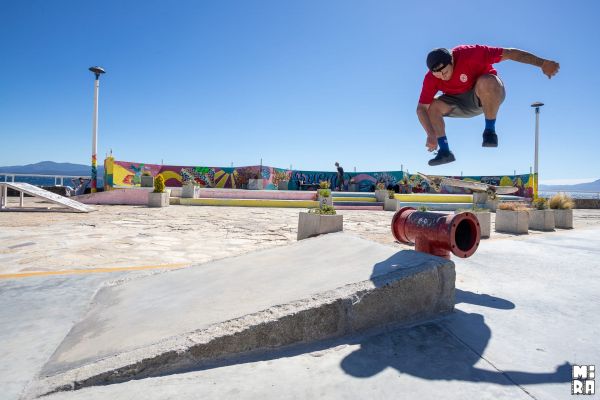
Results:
[122, 174]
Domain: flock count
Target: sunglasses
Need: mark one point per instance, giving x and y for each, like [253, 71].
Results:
[439, 69]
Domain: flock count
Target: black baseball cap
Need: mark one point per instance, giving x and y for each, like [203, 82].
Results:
[438, 58]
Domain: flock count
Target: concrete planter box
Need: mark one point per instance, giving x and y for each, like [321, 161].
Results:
[563, 219]
[512, 221]
[255, 184]
[325, 201]
[381, 194]
[147, 181]
[283, 185]
[390, 204]
[158, 199]
[190, 191]
[541, 220]
[310, 225]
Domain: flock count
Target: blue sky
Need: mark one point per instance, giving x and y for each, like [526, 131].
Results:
[301, 83]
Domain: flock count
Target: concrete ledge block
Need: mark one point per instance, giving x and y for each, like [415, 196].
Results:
[396, 288]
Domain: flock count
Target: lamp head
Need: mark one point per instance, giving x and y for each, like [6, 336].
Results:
[537, 104]
[97, 70]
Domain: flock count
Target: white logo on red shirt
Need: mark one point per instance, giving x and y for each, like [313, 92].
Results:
[463, 78]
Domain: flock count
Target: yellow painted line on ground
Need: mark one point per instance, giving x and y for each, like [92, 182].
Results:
[90, 271]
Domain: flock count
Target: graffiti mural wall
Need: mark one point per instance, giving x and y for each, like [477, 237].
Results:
[128, 174]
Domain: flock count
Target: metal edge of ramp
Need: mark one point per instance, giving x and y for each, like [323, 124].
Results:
[40, 193]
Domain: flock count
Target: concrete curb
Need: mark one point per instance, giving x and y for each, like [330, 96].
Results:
[401, 296]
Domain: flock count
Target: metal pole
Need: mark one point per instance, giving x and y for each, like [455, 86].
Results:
[97, 71]
[537, 106]
[95, 135]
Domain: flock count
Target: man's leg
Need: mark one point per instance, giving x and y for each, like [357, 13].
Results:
[436, 111]
[490, 91]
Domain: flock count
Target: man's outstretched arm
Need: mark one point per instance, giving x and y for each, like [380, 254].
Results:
[549, 67]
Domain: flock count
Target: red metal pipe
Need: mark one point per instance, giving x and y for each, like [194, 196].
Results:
[437, 234]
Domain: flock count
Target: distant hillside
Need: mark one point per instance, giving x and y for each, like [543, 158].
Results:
[52, 168]
[584, 187]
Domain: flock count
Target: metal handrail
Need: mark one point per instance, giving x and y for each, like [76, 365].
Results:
[57, 178]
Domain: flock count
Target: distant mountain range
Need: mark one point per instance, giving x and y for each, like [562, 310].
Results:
[52, 168]
[584, 187]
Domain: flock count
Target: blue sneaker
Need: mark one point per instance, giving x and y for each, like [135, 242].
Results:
[442, 157]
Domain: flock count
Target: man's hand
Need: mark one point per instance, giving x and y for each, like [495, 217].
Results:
[550, 68]
[431, 143]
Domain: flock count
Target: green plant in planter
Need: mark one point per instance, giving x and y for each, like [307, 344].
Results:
[324, 192]
[380, 186]
[391, 194]
[422, 208]
[159, 184]
[540, 203]
[146, 173]
[324, 184]
[561, 201]
[325, 210]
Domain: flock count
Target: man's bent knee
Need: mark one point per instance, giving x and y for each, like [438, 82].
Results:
[438, 108]
[489, 82]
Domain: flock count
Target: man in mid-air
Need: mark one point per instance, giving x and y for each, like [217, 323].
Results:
[470, 87]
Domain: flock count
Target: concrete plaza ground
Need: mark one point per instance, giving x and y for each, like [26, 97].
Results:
[527, 306]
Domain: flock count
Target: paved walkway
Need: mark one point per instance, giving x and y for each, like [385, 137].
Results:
[526, 305]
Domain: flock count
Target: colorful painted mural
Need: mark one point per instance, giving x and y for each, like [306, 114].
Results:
[119, 174]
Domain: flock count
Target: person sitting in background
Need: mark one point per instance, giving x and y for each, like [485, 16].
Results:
[79, 186]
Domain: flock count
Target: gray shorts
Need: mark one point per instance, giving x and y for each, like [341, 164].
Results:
[464, 105]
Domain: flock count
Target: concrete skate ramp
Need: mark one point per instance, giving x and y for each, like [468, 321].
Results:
[315, 289]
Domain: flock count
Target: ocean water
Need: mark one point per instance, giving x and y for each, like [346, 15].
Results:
[574, 195]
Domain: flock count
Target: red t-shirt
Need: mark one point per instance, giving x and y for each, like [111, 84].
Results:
[470, 62]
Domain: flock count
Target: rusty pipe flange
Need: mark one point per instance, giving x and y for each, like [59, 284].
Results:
[398, 224]
[465, 233]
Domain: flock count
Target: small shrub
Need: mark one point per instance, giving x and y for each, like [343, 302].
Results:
[380, 186]
[324, 184]
[422, 208]
[561, 201]
[146, 173]
[159, 184]
[391, 194]
[512, 206]
[540, 203]
[325, 210]
[324, 192]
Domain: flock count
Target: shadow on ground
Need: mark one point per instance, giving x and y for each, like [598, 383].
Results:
[431, 351]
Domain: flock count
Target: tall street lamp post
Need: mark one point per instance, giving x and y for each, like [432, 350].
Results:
[97, 71]
[537, 106]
